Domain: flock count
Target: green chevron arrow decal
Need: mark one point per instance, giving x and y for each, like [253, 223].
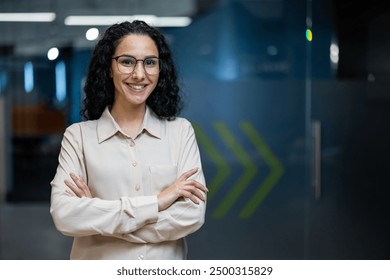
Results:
[272, 178]
[249, 168]
[223, 169]
[246, 177]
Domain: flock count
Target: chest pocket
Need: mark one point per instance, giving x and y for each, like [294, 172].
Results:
[162, 176]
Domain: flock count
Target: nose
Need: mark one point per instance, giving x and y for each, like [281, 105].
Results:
[139, 71]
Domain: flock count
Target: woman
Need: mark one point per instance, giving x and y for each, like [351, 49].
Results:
[139, 188]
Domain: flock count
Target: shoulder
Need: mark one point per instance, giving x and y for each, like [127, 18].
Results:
[79, 128]
[178, 123]
[180, 128]
[81, 125]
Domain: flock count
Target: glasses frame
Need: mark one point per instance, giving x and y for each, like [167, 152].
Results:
[136, 63]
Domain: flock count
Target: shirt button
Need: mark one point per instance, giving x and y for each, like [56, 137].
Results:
[141, 257]
[132, 143]
[134, 163]
[137, 187]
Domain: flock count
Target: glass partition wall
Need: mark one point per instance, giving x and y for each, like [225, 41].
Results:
[247, 78]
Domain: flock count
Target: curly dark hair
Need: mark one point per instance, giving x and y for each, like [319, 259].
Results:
[165, 100]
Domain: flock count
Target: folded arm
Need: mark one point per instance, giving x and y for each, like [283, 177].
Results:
[176, 212]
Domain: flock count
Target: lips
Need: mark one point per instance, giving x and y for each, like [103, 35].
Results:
[136, 87]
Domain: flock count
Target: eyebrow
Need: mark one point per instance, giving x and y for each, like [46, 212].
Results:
[129, 55]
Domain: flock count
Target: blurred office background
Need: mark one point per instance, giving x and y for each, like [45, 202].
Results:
[290, 100]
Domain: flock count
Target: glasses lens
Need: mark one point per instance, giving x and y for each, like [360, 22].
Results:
[152, 65]
[126, 65]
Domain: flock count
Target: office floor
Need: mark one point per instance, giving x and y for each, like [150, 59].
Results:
[28, 233]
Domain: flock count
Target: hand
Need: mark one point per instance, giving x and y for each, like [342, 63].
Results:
[79, 187]
[182, 187]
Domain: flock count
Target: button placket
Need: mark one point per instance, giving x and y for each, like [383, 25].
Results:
[134, 163]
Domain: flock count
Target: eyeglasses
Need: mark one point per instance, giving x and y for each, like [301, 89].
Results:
[126, 64]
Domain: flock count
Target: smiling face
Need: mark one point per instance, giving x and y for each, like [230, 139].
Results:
[132, 90]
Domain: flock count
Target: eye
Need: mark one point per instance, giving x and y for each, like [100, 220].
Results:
[127, 61]
[151, 62]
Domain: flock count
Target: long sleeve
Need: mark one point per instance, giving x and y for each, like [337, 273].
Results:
[183, 217]
[84, 216]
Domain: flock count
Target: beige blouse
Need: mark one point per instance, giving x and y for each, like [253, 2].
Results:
[125, 175]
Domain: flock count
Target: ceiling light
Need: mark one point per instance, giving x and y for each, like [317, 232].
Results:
[27, 17]
[172, 21]
[92, 34]
[53, 53]
[109, 20]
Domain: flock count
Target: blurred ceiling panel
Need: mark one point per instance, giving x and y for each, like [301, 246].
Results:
[29, 38]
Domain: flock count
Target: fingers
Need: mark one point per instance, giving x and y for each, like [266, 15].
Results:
[182, 187]
[198, 185]
[188, 174]
[78, 186]
[191, 189]
[193, 195]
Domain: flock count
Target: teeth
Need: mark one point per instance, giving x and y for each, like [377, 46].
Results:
[137, 87]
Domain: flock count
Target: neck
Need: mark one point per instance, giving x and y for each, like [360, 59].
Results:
[129, 119]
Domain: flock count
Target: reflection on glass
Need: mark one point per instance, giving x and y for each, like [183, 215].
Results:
[28, 77]
[60, 81]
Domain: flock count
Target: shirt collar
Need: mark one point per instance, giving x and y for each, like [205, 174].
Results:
[108, 127]
[152, 124]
